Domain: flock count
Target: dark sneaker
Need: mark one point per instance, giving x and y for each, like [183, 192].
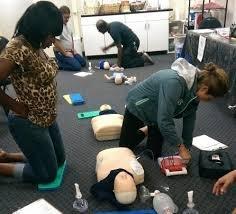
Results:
[148, 59]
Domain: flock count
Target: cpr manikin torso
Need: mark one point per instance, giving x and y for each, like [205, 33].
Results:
[124, 184]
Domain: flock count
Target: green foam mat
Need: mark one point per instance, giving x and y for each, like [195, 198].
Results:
[87, 114]
[56, 183]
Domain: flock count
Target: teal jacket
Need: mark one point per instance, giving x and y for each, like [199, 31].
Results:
[165, 95]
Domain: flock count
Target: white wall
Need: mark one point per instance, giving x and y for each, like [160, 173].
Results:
[10, 12]
[180, 9]
[231, 15]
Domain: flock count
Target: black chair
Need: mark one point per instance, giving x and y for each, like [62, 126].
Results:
[210, 23]
[3, 43]
[4, 83]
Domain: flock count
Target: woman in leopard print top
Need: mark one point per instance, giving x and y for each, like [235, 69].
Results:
[32, 121]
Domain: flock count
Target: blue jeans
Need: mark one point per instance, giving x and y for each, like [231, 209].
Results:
[42, 147]
[69, 63]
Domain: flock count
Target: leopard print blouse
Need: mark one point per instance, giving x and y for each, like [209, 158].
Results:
[33, 80]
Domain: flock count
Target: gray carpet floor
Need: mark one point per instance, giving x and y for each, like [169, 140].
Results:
[213, 119]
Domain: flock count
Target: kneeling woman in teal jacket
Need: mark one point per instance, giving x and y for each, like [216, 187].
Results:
[164, 96]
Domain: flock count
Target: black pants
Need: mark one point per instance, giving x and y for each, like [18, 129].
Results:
[131, 58]
[131, 136]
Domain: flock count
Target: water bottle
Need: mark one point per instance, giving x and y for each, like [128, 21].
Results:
[163, 204]
[80, 204]
[90, 68]
[178, 50]
[190, 205]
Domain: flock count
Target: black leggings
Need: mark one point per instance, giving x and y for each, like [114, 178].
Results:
[131, 58]
[131, 136]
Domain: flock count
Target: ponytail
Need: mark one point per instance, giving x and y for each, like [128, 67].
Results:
[215, 79]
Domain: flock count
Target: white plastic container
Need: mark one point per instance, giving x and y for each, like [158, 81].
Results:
[163, 204]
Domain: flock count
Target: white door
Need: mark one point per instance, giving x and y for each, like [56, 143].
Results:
[140, 29]
[158, 33]
[93, 40]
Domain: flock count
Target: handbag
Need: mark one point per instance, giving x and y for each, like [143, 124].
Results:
[214, 164]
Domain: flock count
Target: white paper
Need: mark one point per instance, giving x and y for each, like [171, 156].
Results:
[40, 206]
[67, 98]
[206, 143]
[225, 32]
[203, 31]
[201, 47]
[82, 74]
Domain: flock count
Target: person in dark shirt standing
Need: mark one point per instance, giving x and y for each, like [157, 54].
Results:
[126, 42]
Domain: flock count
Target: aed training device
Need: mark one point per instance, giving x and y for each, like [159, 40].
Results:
[87, 114]
[172, 165]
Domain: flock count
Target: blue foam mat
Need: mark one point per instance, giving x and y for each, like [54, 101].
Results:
[151, 211]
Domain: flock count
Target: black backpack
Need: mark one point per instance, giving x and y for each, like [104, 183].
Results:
[210, 23]
[214, 164]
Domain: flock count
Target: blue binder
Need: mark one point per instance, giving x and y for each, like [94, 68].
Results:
[76, 99]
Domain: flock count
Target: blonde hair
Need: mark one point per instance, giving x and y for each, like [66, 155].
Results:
[64, 9]
[215, 78]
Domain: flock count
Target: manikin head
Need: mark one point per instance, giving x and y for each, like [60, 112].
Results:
[125, 188]
[118, 79]
[102, 26]
[212, 82]
[105, 107]
[106, 65]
